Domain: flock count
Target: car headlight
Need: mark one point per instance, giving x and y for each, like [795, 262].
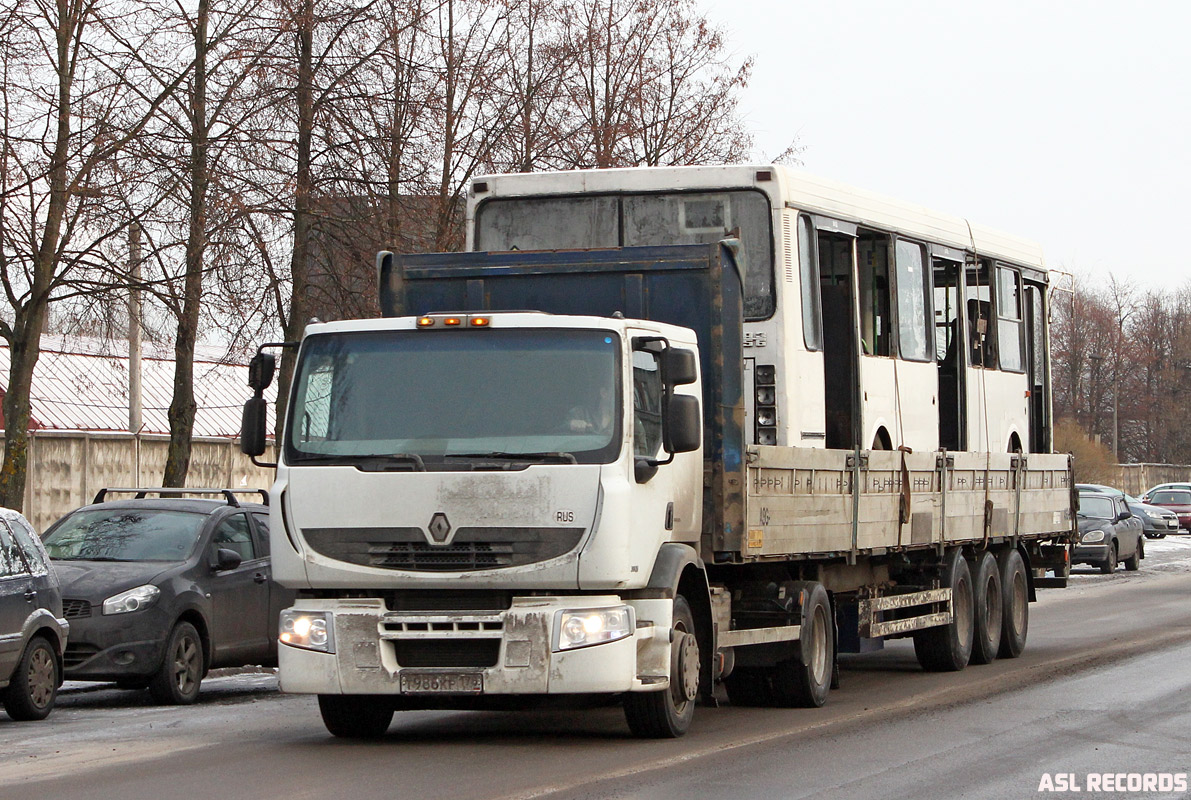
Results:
[588, 626]
[1154, 514]
[132, 600]
[311, 630]
[1093, 536]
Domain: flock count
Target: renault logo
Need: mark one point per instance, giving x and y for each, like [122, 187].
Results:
[439, 528]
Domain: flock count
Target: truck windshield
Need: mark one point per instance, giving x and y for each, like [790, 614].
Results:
[420, 397]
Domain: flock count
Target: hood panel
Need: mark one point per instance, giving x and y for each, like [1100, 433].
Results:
[392, 529]
[96, 581]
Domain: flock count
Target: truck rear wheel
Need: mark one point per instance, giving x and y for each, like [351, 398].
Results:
[353, 716]
[804, 681]
[1016, 614]
[947, 648]
[989, 608]
[667, 714]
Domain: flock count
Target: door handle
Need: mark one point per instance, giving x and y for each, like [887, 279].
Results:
[260, 577]
[30, 595]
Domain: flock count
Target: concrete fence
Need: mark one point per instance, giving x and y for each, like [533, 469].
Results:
[1136, 478]
[67, 468]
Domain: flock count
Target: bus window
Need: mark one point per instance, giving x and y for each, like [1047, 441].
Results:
[549, 223]
[1009, 319]
[808, 267]
[913, 332]
[872, 253]
[952, 411]
[704, 217]
[982, 351]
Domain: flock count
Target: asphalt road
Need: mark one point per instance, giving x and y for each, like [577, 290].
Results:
[1103, 687]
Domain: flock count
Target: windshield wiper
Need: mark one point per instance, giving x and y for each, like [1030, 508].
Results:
[382, 463]
[565, 458]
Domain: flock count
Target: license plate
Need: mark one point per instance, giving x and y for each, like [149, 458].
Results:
[442, 683]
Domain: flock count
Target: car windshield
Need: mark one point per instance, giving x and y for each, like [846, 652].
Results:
[1172, 498]
[125, 535]
[1096, 506]
[415, 398]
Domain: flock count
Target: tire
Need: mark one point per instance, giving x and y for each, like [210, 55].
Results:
[804, 682]
[34, 686]
[176, 682]
[1015, 608]
[987, 610]
[667, 714]
[1110, 564]
[354, 716]
[948, 648]
[1133, 562]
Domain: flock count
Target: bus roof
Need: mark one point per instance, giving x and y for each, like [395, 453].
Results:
[788, 187]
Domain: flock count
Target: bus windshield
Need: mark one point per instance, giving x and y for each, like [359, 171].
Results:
[438, 397]
[631, 220]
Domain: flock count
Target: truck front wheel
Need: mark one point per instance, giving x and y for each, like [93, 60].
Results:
[355, 716]
[667, 714]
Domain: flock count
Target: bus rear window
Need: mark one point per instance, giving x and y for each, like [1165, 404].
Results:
[631, 220]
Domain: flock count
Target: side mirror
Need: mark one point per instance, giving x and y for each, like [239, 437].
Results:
[1126, 514]
[683, 431]
[252, 426]
[226, 559]
[261, 370]
[679, 367]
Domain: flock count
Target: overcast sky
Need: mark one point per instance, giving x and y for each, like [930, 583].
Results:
[1066, 123]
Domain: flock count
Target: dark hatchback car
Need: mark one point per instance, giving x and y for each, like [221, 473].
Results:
[158, 590]
[32, 629]
[1108, 533]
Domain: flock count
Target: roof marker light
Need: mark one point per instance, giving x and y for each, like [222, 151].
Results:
[479, 322]
[425, 322]
[452, 321]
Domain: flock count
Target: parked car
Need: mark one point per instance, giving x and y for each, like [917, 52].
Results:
[1149, 495]
[1175, 500]
[32, 628]
[159, 590]
[1156, 521]
[1108, 533]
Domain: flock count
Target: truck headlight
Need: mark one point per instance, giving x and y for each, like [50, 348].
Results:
[132, 600]
[310, 630]
[587, 626]
[1093, 536]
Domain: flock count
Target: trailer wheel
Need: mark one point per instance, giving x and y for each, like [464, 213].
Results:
[947, 648]
[1016, 615]
[804, 681]
[667, 714]
[354, 716]
[989, 608]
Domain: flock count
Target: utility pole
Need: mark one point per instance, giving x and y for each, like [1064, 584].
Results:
[134, 329]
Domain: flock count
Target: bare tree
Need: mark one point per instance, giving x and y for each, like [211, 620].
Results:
[55, 144]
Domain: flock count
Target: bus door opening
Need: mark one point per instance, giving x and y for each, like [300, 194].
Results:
[948, 343]
[840, 374]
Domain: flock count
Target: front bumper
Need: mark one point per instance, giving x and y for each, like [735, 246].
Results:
[1097, 553]
[511, 651]
[104, 648]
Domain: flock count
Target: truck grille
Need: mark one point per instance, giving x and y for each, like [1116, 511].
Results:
[76, 609]
[447, 652]
[471, 548]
